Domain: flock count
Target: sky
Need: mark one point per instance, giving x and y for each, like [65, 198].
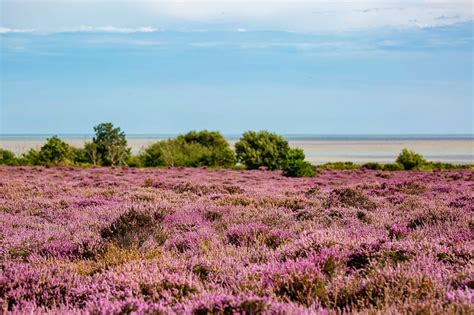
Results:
[292, 67]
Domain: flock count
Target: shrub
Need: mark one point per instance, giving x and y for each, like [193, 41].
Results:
[398, 286]
[300, 281]
[109, 144]
[444, 166]
[53, 152]
[296, 166]
[230, 304]
[393, 167]
[79, 156]
[7, 158]
[134, 161]
[250, 234]
[91, 153]
[351, 198]
[340, 166]
[133, 228]
[218, 151]
[256, 149]
[170, 153]
[203, 148]
[373, 166]
[410, 160]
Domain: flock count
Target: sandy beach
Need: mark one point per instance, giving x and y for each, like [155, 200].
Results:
[459, 151]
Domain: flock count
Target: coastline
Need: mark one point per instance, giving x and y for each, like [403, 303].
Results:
[318, 149]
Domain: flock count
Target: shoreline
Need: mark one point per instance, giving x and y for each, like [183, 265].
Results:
[317, 151]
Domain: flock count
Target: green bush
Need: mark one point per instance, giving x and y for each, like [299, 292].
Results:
[196, 148]
[53, 152]
[410, 160]
[91, 153]
[218, 151]
[256, 149]
[7, 158]
[445, 166]
[296, 166]
[172, 152]
[79, 156]
[339, 166]
[109, 146]
[373, 166]
[393, 167]
[134, 161]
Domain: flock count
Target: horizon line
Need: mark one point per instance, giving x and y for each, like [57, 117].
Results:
[294, 136]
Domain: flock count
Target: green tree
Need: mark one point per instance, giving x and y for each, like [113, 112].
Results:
[7, 158]
[217, 151]
[79, 156]
[196, 148]
[110, 145]
[296, 166]
[173, 152]
[410, 160]
[91, 154]
[256, 149]
[53, 152]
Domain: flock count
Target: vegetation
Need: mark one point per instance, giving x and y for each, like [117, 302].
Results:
[410, 160]
[296, 166]
[257, 149]
[196, 148]
[194, 241]
[53, 152]
[7, 158]
[201, 148]
[339, 166]
[109, 146]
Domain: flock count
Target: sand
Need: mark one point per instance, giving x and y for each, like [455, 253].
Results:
[317, 151]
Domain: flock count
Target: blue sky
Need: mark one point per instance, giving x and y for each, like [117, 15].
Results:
[347, 67]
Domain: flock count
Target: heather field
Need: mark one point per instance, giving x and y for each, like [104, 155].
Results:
[201, 241]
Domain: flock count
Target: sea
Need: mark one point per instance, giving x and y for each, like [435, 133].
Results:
[319, 149]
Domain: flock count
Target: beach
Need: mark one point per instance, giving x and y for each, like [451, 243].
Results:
[318, 150]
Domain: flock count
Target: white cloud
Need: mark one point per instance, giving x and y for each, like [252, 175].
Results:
[85, 29]
[284, 15]
[319, 15]
[5, 30]
[110, 29]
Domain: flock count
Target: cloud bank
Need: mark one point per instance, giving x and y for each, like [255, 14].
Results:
[314, 16]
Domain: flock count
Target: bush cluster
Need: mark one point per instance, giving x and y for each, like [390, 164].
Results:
[254, 150]
[196, 148]
[107, 148]
[269, 150]
[296, 166]
[410, 160]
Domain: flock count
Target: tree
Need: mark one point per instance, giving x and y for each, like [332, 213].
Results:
[79, 156]
[7, 158]
[217, 150]
[90, 150]
[109, 146]
[196, 148]
[172, 152]
[296, 166]
[256, 149]
[410, 160]
[54, 151]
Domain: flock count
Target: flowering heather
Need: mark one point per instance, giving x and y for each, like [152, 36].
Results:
[199, 241]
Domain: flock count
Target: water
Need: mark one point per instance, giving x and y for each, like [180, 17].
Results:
[319, 149]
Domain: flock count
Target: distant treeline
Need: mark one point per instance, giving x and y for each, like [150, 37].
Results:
[254, 150]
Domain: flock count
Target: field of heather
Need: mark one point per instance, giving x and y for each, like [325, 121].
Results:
[226, 241]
